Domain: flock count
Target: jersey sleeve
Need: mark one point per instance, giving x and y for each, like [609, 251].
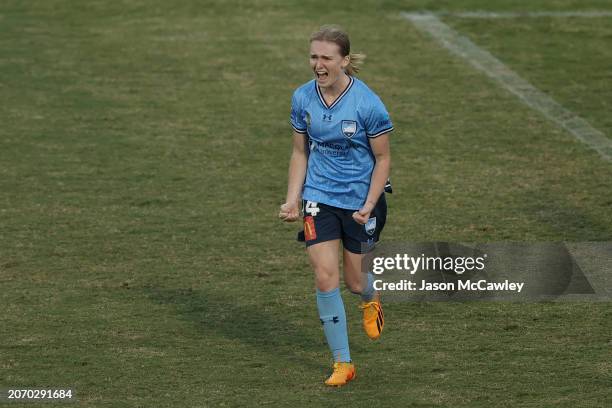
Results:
[377, 121]
[297, 115]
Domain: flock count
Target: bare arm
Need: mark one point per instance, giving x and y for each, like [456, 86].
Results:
[289, 211]
[380, 174]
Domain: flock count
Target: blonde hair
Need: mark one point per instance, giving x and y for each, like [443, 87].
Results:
[338, 36]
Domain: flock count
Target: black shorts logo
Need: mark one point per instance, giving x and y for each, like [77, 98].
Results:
[370, 226]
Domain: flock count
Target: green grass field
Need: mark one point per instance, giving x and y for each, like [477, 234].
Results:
[143, 156]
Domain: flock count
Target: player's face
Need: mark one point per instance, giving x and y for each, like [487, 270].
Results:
[327, 63]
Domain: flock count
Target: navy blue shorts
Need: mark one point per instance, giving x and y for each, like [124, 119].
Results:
[323, 222]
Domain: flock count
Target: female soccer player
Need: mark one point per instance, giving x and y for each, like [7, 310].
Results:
[339, 167]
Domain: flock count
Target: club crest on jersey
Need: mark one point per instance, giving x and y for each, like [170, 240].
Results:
[349, 128]
[370, 226]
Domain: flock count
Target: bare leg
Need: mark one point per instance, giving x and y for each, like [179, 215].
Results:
[355, 279]
[324, 260]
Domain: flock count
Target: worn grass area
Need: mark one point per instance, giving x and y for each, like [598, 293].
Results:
[143, 156]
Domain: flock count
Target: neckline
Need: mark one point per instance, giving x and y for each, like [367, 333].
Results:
[335, 102]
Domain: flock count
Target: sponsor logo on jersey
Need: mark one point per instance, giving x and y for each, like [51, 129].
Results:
[327, 117]
[330, 149]
[385, 123]
[349, 127]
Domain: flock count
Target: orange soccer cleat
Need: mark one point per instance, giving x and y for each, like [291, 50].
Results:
[343, 373]
[373, 318]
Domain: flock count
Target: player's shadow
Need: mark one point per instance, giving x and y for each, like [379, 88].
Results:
[269, 332]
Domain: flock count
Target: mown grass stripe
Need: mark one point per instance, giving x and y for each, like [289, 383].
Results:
[527, 93]
[529, 14]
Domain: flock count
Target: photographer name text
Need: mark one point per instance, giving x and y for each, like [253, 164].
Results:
[466, 285]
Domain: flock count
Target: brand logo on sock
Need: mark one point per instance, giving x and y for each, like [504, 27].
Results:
[334, 320]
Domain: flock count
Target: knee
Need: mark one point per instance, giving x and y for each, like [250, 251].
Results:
[355, 286]
[325, 278]
[323, 273]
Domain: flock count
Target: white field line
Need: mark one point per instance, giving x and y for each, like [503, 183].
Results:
[527, 93]
[527, 14]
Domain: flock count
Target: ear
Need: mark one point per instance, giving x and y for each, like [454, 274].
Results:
[346, 61]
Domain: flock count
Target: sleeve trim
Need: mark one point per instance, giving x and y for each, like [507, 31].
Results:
[303, 131]
[382, 132]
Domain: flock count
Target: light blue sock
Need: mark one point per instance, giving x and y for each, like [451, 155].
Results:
[368, 292]
[333, 319]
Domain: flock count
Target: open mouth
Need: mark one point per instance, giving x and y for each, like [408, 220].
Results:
[321, 75]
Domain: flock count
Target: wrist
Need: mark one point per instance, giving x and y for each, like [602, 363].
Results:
[293, 200]
[369, 206]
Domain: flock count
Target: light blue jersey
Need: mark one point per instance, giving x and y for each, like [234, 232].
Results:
[341, 161]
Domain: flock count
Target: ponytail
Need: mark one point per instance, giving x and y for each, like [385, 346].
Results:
[355, 63]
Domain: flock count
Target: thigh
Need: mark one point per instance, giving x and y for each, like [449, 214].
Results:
[324, 260]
